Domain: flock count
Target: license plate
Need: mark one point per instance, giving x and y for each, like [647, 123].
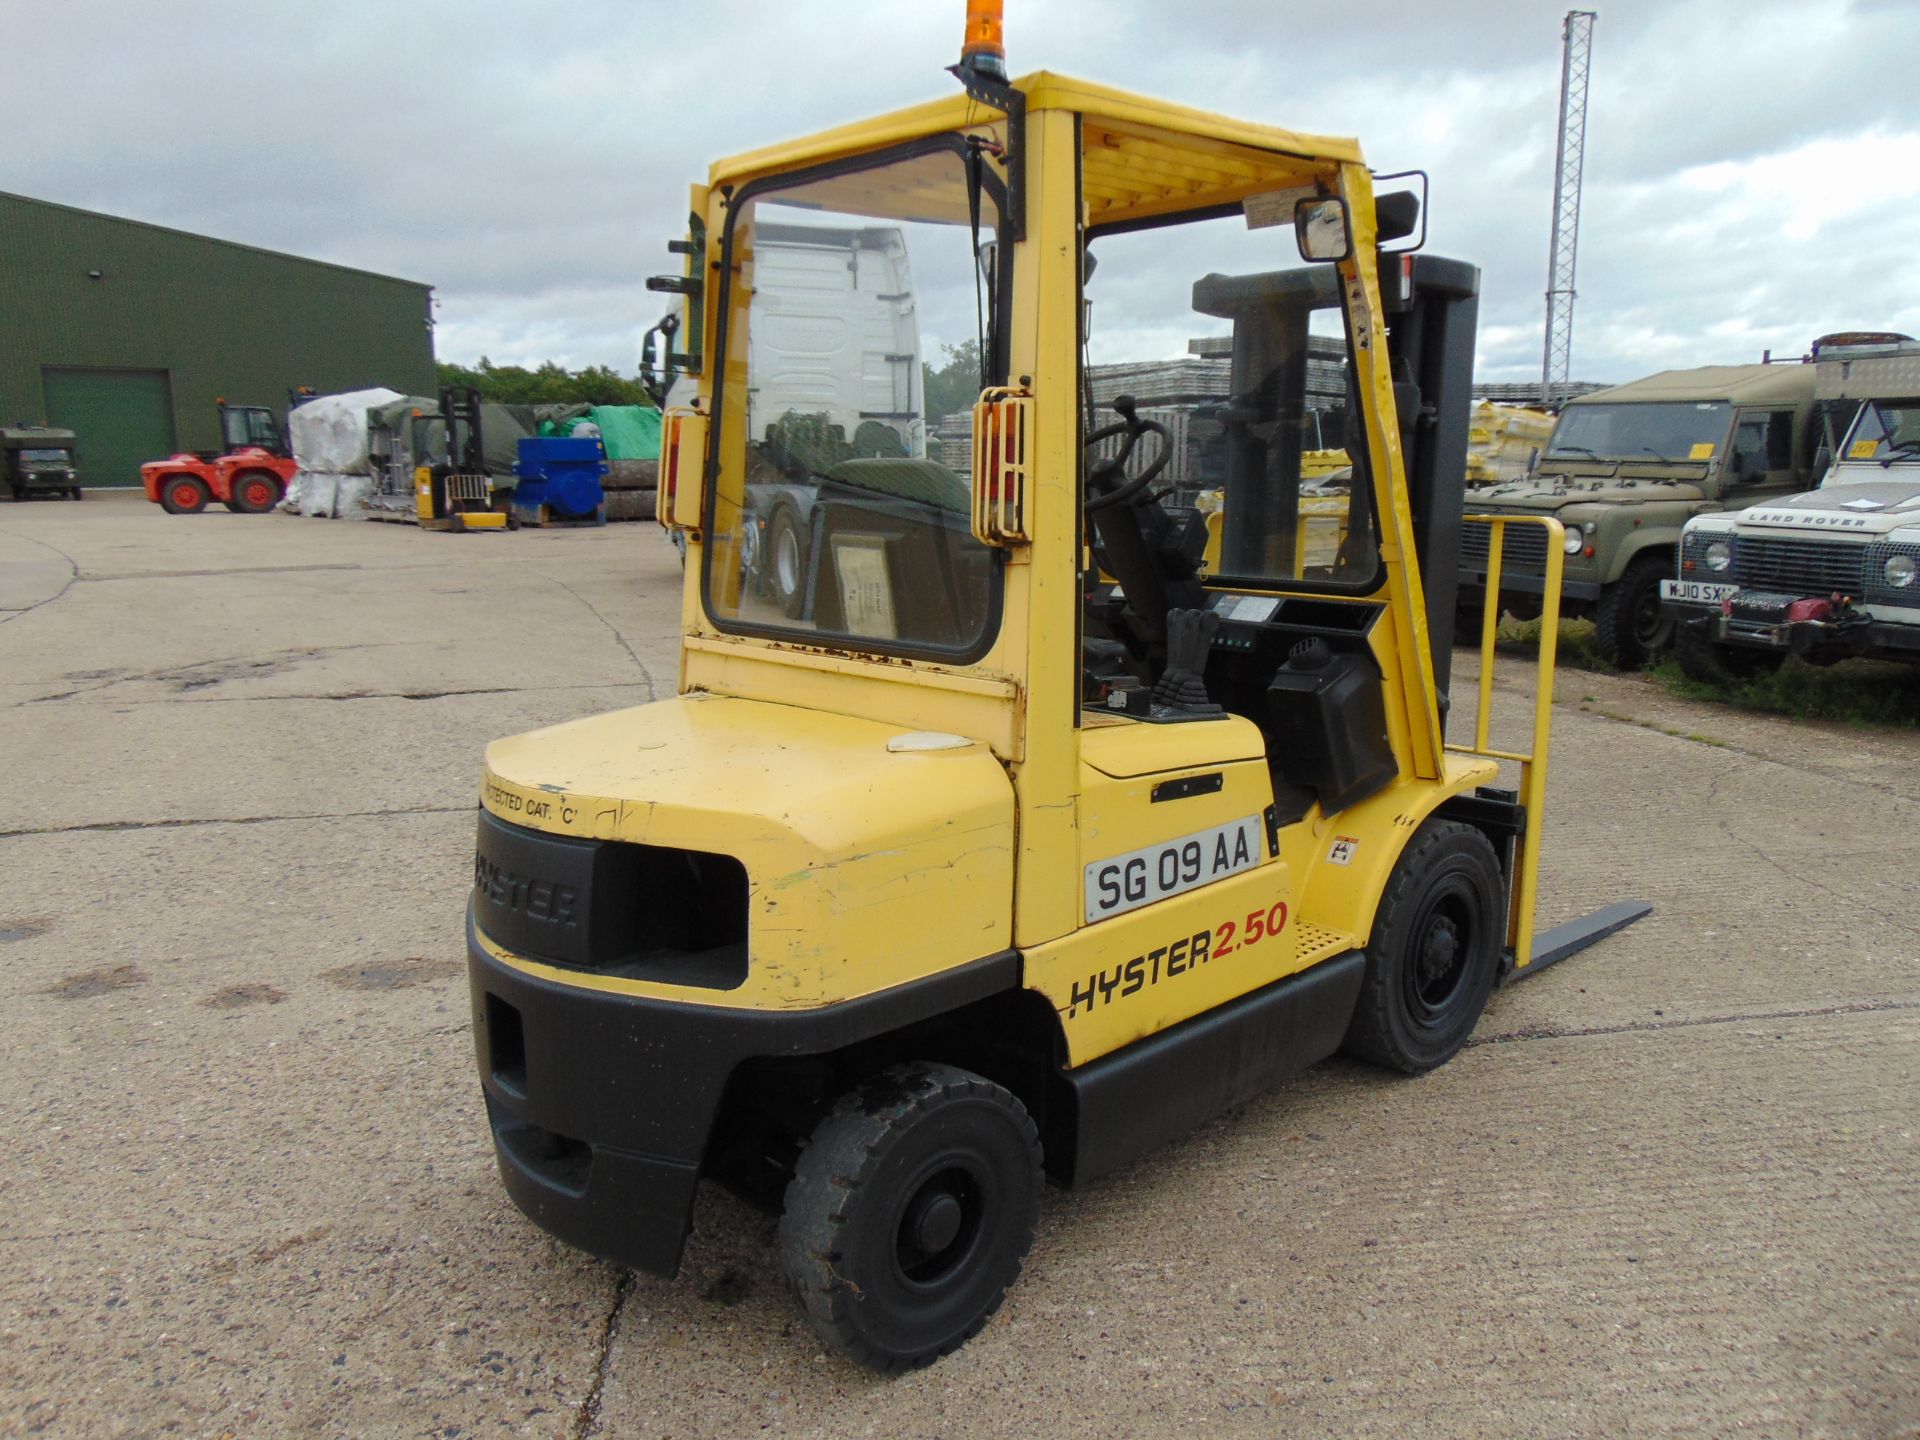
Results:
[1696, 592]
[1140, 877]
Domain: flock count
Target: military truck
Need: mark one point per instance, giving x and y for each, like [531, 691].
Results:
[1828, 575]
[35, 460]
[1624, 470]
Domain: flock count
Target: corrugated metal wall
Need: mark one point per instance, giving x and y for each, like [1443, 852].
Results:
[220, 319]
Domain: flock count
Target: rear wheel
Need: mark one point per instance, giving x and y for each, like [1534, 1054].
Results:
[1629, 622]
[255, 492]
[1434, 953]
[909, 1213]
[183, 495]
[1709, 664]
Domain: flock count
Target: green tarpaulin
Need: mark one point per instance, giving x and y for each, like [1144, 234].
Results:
[630, 432]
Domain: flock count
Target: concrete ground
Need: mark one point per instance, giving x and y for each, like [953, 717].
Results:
[1669, 1190]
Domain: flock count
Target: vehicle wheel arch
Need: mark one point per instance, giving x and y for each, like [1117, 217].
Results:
[1640, 542]
[1012, 1037]
[1345, 896]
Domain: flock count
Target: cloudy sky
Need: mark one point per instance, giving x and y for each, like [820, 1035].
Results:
[1753, 166]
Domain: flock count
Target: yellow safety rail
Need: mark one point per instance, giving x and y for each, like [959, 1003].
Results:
[1532, 762]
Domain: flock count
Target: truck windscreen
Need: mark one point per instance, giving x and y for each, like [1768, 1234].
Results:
[1665, 430]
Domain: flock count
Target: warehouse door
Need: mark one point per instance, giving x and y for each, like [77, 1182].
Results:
[120, 419]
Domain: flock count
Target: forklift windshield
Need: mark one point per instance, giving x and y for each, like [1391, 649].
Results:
[1239, 351]
[842, 502]
[244, 425]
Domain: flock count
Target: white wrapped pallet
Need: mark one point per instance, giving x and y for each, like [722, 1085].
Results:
[329, 437]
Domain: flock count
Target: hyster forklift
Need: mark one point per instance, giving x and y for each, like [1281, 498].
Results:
[984, 868]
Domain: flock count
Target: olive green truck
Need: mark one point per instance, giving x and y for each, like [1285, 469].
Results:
[1624, 470]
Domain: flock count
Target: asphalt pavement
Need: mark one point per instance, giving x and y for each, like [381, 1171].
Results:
[1670, 1188]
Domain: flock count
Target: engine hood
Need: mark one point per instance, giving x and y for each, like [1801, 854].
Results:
[865, 865]
[1624, 485]
[1873, 507]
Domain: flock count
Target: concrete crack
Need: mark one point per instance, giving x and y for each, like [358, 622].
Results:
[73, 574]
[586, 1420]
[615, 629]
[1630, 1027]
[111, 826]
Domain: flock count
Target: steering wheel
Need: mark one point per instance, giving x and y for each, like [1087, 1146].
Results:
[1133, 427]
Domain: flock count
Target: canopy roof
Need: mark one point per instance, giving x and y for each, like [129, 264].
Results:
[1142, 156]
[1738, 384]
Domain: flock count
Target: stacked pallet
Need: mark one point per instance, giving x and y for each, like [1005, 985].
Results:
[1502, 441]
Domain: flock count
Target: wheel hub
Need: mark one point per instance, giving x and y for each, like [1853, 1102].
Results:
[933, 1221]
[1437, 956]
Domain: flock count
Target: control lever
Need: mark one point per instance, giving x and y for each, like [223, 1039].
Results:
[1189, 637]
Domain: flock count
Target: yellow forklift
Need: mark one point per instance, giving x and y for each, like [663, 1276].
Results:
[976, 867]
[457, 493]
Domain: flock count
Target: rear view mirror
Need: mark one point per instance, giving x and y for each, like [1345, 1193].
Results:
[1322, 228]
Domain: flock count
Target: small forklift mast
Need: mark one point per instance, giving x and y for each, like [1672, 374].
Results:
[457, 493]
[1029, 840]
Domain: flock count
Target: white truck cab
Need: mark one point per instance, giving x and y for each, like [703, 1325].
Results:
[1829, 574]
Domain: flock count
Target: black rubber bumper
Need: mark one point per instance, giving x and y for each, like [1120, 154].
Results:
[601, 1104]
[1817, 639]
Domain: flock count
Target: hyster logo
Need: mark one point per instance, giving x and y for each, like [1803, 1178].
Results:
[539, 900]
[1131, 976]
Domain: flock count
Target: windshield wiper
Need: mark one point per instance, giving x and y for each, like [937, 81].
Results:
[1904, 447]
[1567, 449]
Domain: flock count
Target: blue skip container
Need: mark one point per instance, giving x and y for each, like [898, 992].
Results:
[560, 478]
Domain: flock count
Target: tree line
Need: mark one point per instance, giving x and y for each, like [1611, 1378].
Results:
[549, 384]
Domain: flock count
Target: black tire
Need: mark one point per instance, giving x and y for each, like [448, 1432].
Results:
[255, 492]
[1725, 665]
[75, 492]
[909, 1213]
[1435, 951]
[1629, 623]
[183, 495]
[786, 563]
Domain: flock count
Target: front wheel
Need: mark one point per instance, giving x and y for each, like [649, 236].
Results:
[1629, 623]
[1434, 953]
[909, 1213]
[255, 493]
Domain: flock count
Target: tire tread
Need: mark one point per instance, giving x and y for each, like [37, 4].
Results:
[842, 1155]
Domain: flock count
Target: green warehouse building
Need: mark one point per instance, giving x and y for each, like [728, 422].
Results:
[127, 333]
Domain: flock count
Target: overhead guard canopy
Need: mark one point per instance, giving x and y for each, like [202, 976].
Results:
[1143, 157]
